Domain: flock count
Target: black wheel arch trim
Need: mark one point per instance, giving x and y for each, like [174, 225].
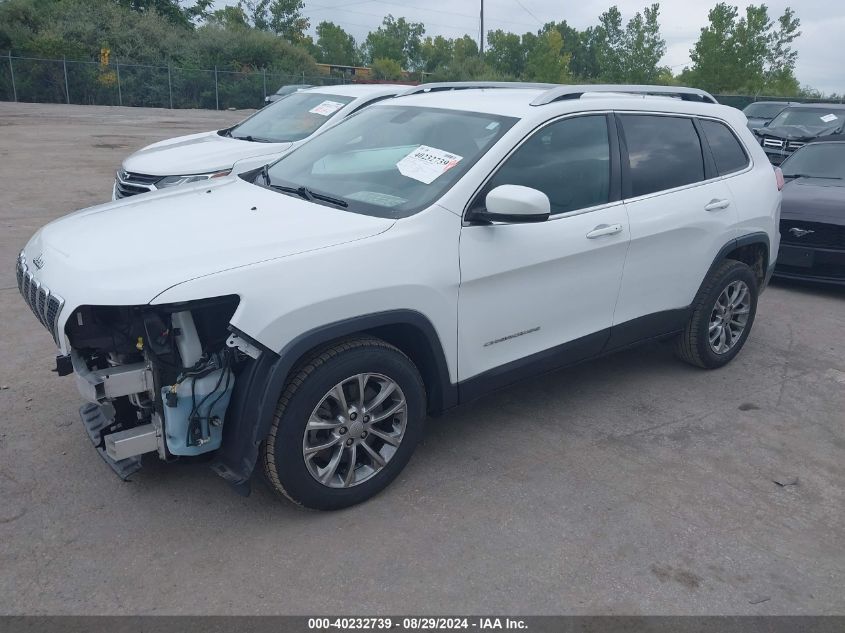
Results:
[758, 237]
[260, 384]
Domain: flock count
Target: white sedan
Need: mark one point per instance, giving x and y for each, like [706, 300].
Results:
[260, 139]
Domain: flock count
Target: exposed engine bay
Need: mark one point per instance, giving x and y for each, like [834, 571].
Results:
[157, 378]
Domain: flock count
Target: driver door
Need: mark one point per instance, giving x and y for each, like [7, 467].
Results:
[540, 295]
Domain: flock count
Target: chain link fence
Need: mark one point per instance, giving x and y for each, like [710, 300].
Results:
[39, 80]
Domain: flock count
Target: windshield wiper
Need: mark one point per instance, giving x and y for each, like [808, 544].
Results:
[251, 139]
[303, 192]
[329, 199]
[813, 176]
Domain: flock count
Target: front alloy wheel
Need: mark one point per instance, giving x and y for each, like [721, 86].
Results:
[355, 430]
[346, 424]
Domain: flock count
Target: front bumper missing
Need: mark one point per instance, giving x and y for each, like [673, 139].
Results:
[101, 385]
[95, 422]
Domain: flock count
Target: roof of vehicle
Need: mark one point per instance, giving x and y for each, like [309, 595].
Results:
[358, 90]
[524, 102]
[294, 87]
[807, 106]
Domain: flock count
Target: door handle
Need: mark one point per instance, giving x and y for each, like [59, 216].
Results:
[716, 205]
[604, 229]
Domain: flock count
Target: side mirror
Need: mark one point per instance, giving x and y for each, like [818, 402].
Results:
[516, 204]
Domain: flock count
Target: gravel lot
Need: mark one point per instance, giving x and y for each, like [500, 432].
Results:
[630, 485]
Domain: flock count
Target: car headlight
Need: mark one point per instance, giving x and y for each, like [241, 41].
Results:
[172, 181]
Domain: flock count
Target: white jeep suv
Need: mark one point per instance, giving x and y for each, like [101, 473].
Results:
[257, 140]
[307, 316]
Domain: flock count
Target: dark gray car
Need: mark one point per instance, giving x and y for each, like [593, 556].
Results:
[797, 125]
[284, 91]
[812, 225]
[760, 113]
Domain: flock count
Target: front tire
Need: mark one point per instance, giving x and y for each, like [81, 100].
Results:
[346, 425]
[722, 316]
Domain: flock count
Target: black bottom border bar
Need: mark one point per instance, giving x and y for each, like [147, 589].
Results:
[534, 624]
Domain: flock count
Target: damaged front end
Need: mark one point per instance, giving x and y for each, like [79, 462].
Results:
[155, 378]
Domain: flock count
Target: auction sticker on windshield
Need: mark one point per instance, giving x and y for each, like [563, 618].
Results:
[827, 118]
[426, 163]
[326, 108]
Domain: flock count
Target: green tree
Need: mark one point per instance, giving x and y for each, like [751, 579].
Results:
[609, 45]
[751, 35]
[230, 17]
[546, 60]
[576, 44]
[282, 17]
[172, 10]
[713, 55]
[436, 53]
[644, 47]
[335, 46]
[505, 53]
[780, 56]
[386, 69]
[747, 54]
[396, 39]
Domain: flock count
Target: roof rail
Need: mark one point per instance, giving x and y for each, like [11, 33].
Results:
[560, 93]
[440, 86]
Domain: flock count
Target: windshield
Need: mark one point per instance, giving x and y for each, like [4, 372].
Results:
[292, 118]
[810, 117]
[763, 110]
[817, 160]
[389, 161]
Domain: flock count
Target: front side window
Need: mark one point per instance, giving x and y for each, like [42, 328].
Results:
[388, 161]
[727, 150]
[569, 161]
[663, 152]
[292, 118]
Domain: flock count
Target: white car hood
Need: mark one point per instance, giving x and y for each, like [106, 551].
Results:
[196, 154]
[127, 252]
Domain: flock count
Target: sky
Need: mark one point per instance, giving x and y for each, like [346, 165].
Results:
[820, 47]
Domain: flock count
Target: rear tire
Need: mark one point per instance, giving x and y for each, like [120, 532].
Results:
[334, 443]
[722, 316]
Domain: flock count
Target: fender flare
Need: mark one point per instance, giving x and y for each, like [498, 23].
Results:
[758, 237]
[260, 384]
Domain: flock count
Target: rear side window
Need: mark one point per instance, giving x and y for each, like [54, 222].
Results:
[663, 152]
[727, 150]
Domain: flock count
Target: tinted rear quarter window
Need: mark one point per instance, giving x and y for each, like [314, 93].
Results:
[663, 152]
[727, 150]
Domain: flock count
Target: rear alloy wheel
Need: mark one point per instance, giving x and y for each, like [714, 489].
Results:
[722, 315]
[346, 424]
[729, 317]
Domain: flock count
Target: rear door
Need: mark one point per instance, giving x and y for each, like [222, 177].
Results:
[681, 214]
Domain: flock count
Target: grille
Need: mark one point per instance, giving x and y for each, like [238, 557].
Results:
[793, 145]
[44, 304]
[131, 183]
[774, 143]
[822, 236]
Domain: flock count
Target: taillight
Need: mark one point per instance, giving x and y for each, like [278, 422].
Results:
[779, 178]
